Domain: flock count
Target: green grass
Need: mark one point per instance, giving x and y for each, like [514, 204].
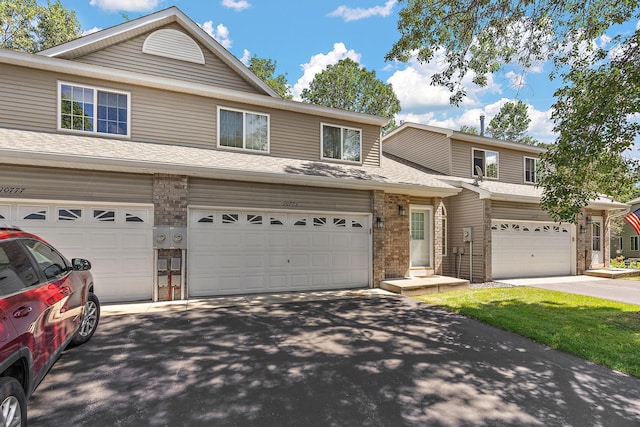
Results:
[605, 332]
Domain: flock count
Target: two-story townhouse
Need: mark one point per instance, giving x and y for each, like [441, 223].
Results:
[495, 228]
[151, 150]
[626, 242]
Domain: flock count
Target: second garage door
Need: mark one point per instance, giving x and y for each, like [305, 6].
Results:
[521, 249]
[235, 252]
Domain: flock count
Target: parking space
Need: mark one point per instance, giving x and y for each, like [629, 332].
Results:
[351, 359]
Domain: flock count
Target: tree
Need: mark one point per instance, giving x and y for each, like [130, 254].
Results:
[511, 123]
[596, 109]
[29, 27]
[348, 86]
[265, 70]
[469, 129]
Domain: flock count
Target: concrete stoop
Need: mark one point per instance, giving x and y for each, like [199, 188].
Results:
[414, 286]
[612, 273]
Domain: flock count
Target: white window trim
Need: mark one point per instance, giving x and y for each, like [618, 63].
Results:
[244, 133]
[95, 89]
[484, 172]
[342, 128]
[524, 169]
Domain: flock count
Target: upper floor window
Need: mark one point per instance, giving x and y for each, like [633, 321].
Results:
[487, 161]
[94, 110]
[243, 130]
[341, 143]
[530, 165]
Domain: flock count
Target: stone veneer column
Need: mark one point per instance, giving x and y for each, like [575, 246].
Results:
[438, 234]
[379, 261]
[397, 236]
[170, 201]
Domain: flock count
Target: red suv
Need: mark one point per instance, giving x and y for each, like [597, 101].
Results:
[46, 303]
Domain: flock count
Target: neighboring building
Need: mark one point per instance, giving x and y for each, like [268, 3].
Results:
[499, 210]
[627, 242]
[149, 149]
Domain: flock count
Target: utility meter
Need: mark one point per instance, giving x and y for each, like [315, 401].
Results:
[466, 234]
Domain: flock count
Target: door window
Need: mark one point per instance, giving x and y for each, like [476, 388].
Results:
[596, 236]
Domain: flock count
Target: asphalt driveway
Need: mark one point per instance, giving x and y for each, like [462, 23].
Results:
[361, 360]
[612, 289]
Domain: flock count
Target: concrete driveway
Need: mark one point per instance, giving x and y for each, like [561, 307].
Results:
[355, 360]
[613, 289]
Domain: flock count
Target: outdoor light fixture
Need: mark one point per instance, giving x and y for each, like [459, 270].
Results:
[379, 222]
[583, 229]
[401, 210]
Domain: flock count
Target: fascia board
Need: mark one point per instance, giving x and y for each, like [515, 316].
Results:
[99, 72]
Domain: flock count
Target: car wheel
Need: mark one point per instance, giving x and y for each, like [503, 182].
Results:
[90, 321]
[13, 403]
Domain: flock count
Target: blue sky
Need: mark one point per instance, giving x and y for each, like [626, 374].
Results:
[305, 36]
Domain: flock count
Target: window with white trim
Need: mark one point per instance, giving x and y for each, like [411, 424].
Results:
[341, 143]
[634, 243]
[530, 170]
[487, 161]
[243, 130]
[93, 110]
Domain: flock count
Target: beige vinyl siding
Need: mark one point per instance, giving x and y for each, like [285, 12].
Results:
[426, 148]
[465, 210]
[220, 193]
[29, 101]
[510, 162]
[128, 56]
[77, 185]
[518, 211]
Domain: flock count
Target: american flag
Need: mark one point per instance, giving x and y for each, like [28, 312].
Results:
[634, 220]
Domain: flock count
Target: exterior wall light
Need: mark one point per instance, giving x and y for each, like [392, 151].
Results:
[401, 210]
[583, 229]
[379, 222]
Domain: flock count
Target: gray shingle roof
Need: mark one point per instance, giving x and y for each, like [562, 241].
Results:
[80, 152]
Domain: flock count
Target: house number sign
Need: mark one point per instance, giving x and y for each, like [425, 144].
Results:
[289, 204]
[11, 190]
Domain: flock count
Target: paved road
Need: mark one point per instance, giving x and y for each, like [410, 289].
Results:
[616, 290]
[373, 360]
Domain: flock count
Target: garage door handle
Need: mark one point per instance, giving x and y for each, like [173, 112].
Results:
[22, 311]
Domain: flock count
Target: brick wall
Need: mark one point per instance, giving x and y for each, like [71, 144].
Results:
[379, 262]
[397, 238]
[170, 199]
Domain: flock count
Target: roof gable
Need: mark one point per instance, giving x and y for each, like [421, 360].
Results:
[165, 42]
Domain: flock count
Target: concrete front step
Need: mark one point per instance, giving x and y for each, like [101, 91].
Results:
[415, 286]
[612, 273]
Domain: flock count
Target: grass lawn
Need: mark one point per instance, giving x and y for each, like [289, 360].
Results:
[605, 332]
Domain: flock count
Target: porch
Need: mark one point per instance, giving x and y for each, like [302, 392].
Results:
[612, 273]
[424, 285]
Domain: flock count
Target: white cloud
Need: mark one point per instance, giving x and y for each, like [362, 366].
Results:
[220, 33]
[126, 5]
[246, 55]
[353, 14]
[318, 63]
[237, 5]
[91, 31]
[413, 86]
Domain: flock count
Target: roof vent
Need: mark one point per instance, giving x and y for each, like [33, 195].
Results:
[173, 44]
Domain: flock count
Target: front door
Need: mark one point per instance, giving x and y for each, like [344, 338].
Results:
[420, 237]
[596, 242]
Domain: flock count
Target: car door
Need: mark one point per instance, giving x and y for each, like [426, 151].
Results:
[61, 291]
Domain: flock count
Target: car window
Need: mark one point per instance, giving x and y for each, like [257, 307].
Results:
[16, 270]
[51, 263]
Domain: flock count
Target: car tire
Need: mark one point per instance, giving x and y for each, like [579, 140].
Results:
[13, 403]
[89, 322]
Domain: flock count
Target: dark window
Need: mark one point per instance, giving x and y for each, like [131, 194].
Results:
[51, 262]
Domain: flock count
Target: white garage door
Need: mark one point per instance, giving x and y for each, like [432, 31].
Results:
[521, 249]
[234, 252]
[116, 239]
